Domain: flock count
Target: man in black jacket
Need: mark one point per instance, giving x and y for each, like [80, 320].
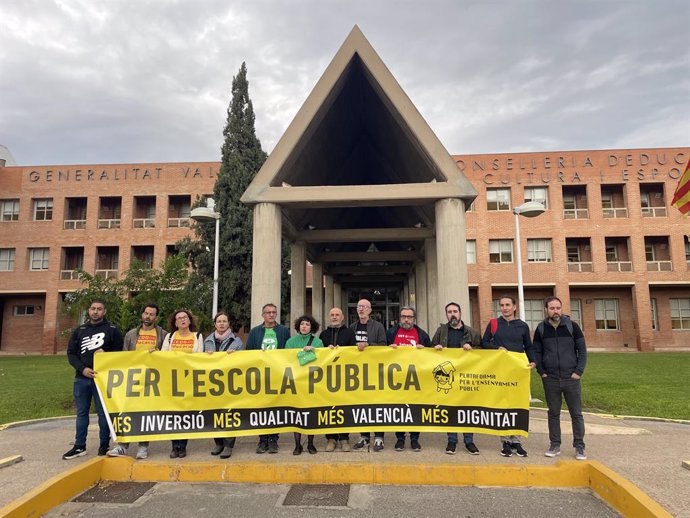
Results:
[561, 356]
[335, 335]
[94, 336]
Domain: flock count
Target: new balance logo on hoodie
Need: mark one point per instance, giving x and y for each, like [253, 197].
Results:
[91, 343]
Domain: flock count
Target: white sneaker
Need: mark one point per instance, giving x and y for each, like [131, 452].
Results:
[580, 454]
[143, 452]
[118, 451]
[552, 451]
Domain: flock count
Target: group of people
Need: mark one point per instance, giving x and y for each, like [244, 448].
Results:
[557, 350]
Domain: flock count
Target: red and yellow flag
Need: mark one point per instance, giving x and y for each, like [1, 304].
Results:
[681, 198]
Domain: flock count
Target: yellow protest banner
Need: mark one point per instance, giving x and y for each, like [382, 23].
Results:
[172, 395]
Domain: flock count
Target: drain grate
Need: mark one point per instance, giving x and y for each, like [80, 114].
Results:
[115, 492]
[318, 495]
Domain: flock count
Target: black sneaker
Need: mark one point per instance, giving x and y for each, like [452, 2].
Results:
[450, 448]
[414, 444]
[519, 450]
[400, 445]
[76, 451]
[472, 448]
[507, 451]
[262, 447]
[272, 446]
[103, 449]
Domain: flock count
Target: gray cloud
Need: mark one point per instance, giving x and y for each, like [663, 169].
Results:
[125, 81]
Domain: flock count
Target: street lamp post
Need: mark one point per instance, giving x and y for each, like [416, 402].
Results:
[530, 209]
[204, 214]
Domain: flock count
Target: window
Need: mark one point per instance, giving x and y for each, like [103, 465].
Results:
[611, 254]
[539, 250]
[573, 252]
[687, 249]
[607, 200]
[43, 209]
[6, 259]
[606, 314]
[498, 199]
[538, 194]
[9, 210]
[569, 202]
[655, 316]
[645, 200]
[501, 251]
[24, 311]
[496, 307]
[534, 312]
[38, 258]
[471, 207]
[471, 251]
[680, 313]
[576, 311]
[649, 252]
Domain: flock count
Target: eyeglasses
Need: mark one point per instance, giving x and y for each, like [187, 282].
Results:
[185, 317]
[363, 307]
[409, 317]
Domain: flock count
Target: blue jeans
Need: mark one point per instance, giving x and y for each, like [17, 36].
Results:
[466, 437]
[84, 391]
[414, 436]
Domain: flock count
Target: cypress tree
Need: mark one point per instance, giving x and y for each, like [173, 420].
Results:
[242, 157]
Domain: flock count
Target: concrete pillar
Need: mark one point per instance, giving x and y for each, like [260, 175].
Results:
[298, 279]
[317, 292]
[405, 294]
[434, 310]
[266, 260]
[327, 299]
[337, 295]
[412, 290]
[421, 307]
[451, 253]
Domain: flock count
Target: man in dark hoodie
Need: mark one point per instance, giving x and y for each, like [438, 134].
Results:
[94, 336]
[561, 356]
[337, 334]
[457, 334]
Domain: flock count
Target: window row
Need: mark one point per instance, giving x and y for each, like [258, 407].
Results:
[72, 259]
[606, 313]
[109, 211]
[579, 253]
[575, 200]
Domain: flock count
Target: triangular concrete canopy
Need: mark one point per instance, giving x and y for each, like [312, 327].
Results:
[356, 136]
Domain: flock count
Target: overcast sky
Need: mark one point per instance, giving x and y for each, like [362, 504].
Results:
[149, 81]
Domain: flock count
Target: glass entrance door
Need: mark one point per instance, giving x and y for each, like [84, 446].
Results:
[385, 304]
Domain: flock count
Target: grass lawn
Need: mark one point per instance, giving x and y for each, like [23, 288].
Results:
[644, 384]
[35, 386]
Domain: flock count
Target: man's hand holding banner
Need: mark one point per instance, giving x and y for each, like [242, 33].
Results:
[168, 395]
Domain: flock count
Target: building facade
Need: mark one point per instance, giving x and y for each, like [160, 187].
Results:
[609, 244]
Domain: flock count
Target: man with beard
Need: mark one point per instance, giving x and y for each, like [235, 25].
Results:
[148, 336]
[88, 339]
[456, 334]
[268, 336]
[368, 332]
[337, 334]
[561, 356]
[407, 334]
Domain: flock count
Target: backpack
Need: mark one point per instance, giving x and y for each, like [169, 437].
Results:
[568, 325]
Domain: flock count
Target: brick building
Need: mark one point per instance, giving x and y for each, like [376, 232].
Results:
[609, 244]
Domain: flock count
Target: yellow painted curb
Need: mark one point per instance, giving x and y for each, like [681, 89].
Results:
[617, 491]
[623, 495]
[55, 491]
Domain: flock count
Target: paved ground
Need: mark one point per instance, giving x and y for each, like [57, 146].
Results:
[252, 501]
[648, 453]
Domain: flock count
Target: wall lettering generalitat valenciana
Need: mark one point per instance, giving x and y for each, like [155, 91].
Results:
[120, 174]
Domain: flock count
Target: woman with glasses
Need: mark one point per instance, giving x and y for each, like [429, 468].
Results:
[183, 338]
